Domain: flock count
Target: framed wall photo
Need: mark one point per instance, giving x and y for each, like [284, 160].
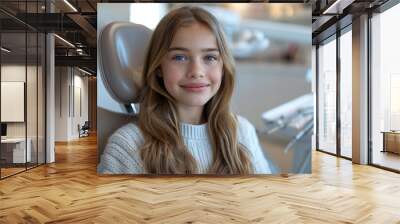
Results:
[182, 89]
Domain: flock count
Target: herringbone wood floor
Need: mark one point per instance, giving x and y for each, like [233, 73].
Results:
[70, 191]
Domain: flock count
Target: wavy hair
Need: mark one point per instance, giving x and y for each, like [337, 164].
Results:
[163, 151]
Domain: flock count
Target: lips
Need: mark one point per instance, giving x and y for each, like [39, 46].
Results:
[195, 85]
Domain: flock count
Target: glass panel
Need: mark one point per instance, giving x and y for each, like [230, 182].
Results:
[327, 97]
[13, 86]
[385, 89]
[32, 86]
[41, 98]
[346, 94]
[23, 87]
[31, 97]
[313, 89]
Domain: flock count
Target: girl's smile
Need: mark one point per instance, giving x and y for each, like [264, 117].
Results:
[195, 87]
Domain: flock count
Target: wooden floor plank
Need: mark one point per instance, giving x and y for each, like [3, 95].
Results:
[70, 191]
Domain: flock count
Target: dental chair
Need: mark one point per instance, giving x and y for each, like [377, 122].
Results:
[122, 48]
[293, 120]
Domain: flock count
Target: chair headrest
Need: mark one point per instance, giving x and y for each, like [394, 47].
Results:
[122, 50]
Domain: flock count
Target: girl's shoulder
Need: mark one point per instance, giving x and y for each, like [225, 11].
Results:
[121, 154]
[129, 132]
[244, 126]
[131, 126]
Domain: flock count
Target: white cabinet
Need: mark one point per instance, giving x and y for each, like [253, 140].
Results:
[18, 149]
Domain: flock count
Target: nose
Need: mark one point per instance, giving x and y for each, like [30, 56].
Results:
[196, 69]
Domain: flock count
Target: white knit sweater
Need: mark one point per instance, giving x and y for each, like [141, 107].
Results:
[122, 156]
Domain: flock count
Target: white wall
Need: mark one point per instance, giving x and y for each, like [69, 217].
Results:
[68, 81]
[61, 103]
[80, 83]
[13, 72]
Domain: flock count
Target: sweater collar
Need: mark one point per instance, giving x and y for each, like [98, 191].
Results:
[194, 131]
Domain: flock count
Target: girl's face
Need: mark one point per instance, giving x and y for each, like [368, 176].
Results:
[192, 68]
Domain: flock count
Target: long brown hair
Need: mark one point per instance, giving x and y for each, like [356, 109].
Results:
[164, 151]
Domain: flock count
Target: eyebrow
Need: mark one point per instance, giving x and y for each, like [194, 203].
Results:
[185, 49]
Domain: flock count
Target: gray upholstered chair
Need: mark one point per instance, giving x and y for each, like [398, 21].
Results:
[122, 48]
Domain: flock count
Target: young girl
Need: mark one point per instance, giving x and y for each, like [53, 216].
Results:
[185, 125]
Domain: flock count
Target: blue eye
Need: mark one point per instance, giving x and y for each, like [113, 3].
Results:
[211, 58]
[179, 58]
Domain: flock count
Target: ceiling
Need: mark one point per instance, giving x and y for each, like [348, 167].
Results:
[76, 24]
[330, 15]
